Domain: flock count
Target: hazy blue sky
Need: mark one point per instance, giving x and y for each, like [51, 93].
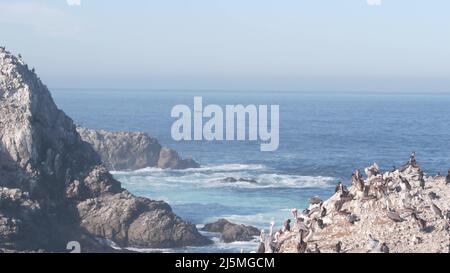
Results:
[400, 45]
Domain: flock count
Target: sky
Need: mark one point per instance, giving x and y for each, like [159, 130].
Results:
[299, 45]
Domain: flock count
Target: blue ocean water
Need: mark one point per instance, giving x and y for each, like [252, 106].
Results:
[324, 137]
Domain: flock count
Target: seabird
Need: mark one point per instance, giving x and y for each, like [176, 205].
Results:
[287, 225]
[412, 159]
[394, 216]
[373, 243]
[433, 196]
[339, 187]
[420, 222]
[323, 213]
[352, 218]
[436, 210]
[421, 180]
[261, 248]
[447, 215]
[338, 205]
[301, 245]
[338, 247]
[320, 224]
[384, 248]
[405, 183]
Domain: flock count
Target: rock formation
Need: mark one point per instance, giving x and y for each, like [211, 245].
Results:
[53, 188]
[132, 151]
[232, 232]
[396, 211]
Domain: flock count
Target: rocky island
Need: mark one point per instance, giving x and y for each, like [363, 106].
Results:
[402, 211]
[54, 187]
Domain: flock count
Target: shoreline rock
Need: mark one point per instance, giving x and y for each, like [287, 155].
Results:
[53, 186]
[393, 211]
[232, 232]
[121, 151]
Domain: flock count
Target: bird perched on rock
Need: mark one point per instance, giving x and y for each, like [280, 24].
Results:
[339, 187]
[338, 247]
[352, 218]
[412, 160]
[384, 248]
[301, 245]
[323, 213]
[421, 180]
[405, 184]
[394, 216]
[419, 221]
[436, 210]
[315, 250]
[261, 248]
[320, 224]
[433, 196]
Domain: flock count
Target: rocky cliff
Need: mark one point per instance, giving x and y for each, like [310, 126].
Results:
[132, 151]
[53, 187]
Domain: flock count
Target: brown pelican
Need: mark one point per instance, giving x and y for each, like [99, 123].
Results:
[287, 225]
[261, 248]
[315, 250]
[405, 184]
[338, 205]
[420, 222]
[294, 213]
[301, 245]
[338, 247]
[323, 213]
[352, 218]
[412, 160]
[447, 215]
[394, 216]
[433, 196]
[384, 248]
[320, 224]
[421, 180]
[436, 210]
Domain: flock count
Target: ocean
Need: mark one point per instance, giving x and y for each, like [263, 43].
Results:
[324, 137]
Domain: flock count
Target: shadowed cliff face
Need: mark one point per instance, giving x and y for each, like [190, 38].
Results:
[50, 178]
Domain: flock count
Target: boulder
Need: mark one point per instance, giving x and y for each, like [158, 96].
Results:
[232, 232]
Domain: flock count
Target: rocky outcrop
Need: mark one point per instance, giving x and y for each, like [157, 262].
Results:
[169, 159]
[133, 150]
[232, 232]
[398, 211]
[53, 187]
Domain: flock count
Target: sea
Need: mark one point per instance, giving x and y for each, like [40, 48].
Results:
[324, 137]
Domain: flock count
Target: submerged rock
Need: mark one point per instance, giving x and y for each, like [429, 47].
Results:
[53, 187]
[232, 232]
[235, 180]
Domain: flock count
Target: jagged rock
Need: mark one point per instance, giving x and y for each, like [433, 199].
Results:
[132, 151]
[53, 188]
[169, 159]
[234, 180]
[232, 232]
[386, 196]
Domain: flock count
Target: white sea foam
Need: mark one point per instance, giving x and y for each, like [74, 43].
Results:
[213, 177]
